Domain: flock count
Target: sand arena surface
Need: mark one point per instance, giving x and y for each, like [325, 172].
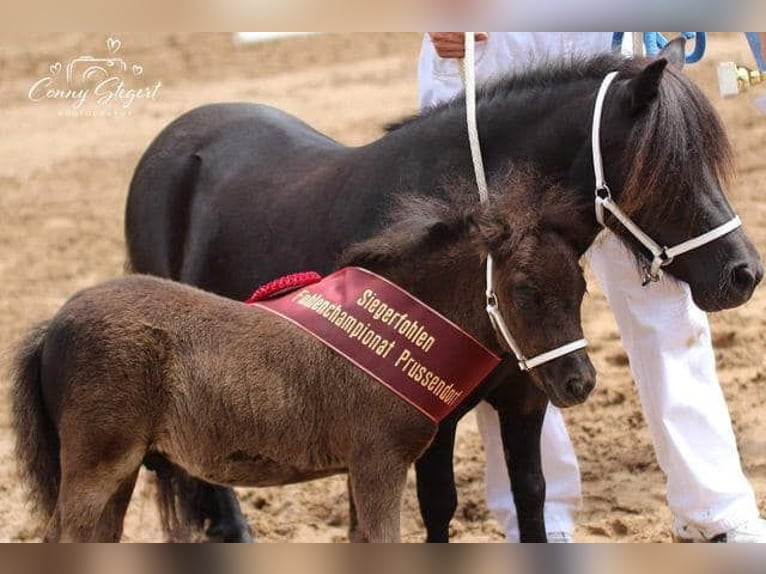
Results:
[63, 182]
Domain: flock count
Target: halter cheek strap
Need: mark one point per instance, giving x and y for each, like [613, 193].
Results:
[662, 255]
[496, 318]
[493, 310]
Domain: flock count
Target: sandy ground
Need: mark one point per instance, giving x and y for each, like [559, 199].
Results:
[63, 181]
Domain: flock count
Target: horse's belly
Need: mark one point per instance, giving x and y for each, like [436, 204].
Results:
[240, 468]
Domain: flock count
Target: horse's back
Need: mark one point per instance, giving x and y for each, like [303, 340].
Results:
[244, 128]
[213, 158]
[125, 329]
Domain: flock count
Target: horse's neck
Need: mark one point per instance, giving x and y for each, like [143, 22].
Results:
[424, 156]
[513, 130]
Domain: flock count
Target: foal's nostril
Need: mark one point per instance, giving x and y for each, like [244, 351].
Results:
[579, 388]
[745, 278]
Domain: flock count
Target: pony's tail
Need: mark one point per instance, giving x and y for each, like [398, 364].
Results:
[37, 441]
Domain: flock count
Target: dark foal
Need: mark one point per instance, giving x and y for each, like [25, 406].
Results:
[142, 367]
[230, 196]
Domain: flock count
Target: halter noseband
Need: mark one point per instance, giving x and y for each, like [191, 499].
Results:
[662, 255]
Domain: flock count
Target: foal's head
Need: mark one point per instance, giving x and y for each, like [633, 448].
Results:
[539, 285]
[438, 249]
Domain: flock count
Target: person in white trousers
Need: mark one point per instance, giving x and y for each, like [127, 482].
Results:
[682, 399]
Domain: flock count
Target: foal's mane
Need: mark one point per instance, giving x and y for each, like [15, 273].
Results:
[418, 222]
[676, 139]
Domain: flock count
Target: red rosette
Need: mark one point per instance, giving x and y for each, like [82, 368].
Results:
[284, 285]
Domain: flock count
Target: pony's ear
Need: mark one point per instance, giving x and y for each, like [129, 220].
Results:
[675, 52]
[645, 87]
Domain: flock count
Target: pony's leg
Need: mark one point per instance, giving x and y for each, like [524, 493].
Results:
[437, 495]
[113, 518]
[53, 529]
[521, 409]
[377, 485]
[354, 535]
[197, 503]
[227, 523]
[88, 483]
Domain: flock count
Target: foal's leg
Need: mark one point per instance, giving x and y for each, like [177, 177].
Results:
[377, 485]
[88, 484]
[437, 495]
[53, 529]
[112, 520]
[354, 535]
[521, 408]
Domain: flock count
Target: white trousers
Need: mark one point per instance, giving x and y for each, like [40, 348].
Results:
[666, 337]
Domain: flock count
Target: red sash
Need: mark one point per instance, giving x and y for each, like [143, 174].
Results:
[417, 353]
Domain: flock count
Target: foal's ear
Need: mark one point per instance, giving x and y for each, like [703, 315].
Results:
[675, 52]
[493, 234]
[645, 87]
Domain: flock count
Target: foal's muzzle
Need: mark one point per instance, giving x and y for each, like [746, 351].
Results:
[568, 380]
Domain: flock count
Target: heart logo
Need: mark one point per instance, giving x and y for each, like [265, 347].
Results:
[113, 45]
[138, 69]
[55, 68]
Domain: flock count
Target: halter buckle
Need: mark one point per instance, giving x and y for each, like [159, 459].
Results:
[603, 192]
[650, 276]
[666, 259]
[653, 272]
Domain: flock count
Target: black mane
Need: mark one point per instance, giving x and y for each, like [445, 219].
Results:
[544, 74]
[678, 138]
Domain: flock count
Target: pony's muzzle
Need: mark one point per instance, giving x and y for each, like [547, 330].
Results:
[745, 277]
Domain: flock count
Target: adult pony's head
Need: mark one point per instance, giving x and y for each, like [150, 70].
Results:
[666, 157]
[436, 248]
[668, 160]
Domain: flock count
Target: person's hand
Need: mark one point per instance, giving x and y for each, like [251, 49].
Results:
[452, 44]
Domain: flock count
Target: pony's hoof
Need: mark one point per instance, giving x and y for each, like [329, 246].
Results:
[230, 533]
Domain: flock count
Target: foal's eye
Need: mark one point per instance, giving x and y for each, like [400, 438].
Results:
[525, 296]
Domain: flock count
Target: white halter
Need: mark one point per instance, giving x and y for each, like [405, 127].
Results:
[493, 309]
[662, 255]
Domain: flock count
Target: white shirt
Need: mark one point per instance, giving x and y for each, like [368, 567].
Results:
[502, 53]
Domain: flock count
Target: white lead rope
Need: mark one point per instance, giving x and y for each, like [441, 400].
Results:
[468, 73]
[662, 256]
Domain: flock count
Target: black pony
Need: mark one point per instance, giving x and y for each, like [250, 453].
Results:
[231, 195]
